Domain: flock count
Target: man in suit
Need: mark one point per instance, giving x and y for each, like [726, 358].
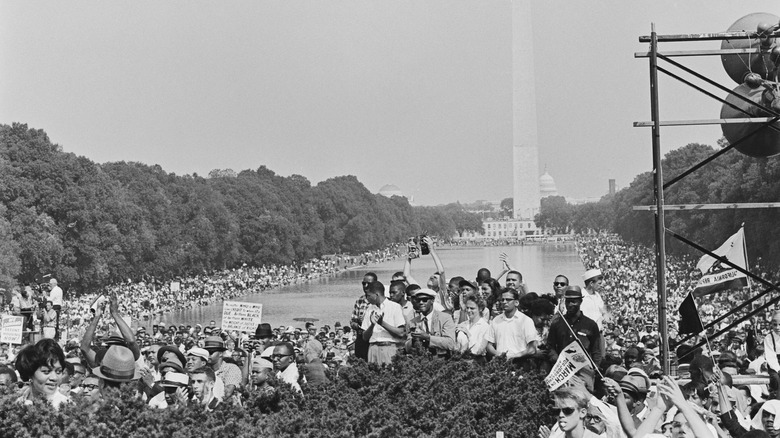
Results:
[430, 328]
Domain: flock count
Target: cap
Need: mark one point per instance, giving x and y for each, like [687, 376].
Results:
[199, 352]
[466, 283]
[572, 292]
[263, 363]
[591, 273]
[424, 291]
[175, 379]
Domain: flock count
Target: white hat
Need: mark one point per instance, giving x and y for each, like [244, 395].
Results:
[591, 273]
[268, 352]
[173, 378]
[199, 352]
[424, 291]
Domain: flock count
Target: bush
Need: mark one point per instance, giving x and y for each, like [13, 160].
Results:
[415, 397]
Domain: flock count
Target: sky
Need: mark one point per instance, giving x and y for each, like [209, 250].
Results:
[415, 93]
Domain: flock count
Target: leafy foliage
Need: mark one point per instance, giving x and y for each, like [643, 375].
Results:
[418, 396]
[90, 224]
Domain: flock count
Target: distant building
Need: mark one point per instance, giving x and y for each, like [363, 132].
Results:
[390, 190]
[520, 229]
[547, 185]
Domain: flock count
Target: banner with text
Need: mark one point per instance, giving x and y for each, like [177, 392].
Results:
[11, 332]
[241, 316]
[571, 360]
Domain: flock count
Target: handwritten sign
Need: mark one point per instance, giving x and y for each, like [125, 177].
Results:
[11, 332]
[241, 316]
[571, 360]
[175, 286]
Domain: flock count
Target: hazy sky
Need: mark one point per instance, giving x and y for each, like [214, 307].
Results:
[416, 93]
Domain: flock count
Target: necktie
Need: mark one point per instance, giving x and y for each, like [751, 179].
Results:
[425, 323]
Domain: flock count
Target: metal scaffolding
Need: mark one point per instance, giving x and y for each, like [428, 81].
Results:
[654, 55]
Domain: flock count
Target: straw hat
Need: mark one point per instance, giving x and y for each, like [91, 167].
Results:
[118, 365]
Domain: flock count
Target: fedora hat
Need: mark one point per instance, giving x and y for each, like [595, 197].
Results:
[118, 365]
[214, 343]
[264, 331]
[573, 293]
[175, 367]
[173, 349]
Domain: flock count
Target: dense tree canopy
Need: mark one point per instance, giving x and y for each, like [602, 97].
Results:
[89, 224]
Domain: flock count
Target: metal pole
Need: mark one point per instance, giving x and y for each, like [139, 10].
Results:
[658, 193]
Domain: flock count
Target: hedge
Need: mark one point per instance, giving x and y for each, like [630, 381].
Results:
[415, 397]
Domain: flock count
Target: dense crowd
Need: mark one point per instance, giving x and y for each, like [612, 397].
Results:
[609, 318]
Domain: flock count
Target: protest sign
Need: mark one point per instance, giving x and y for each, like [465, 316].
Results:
[571, 360]
[241, 316]
[175, 286]
[11, 332]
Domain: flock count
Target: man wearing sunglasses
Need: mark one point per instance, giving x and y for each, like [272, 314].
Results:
[430, 328]
[285, 366]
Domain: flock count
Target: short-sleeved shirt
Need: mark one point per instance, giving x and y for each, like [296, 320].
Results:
[393, 315]
[512, 335]
[55, 296]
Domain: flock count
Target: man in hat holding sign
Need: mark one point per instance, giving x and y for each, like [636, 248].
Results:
[575, 326]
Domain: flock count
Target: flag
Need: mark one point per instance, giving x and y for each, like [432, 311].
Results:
[571, 360]
[719, 276]
[690, 322]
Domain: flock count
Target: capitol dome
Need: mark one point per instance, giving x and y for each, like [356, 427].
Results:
[390, 190]
[547, 185]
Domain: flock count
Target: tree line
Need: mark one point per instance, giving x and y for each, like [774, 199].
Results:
[731, 178]
[90, 224]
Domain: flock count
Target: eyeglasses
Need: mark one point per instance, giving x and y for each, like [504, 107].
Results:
[505, 300]
[365, 283]
[422, 299]
[593, 418]
[89, 387]
[279, 356]
[560, 283]
[566, 411]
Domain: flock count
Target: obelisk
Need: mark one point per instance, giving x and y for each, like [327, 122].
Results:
[524, 136]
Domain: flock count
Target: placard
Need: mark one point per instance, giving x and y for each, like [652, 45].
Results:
[571, 360]
[175, 286]
[241, 316]
[11, 332]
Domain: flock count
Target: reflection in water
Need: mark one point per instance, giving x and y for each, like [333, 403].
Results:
[331, 299]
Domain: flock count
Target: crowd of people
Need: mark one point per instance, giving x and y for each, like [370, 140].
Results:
[610, 316]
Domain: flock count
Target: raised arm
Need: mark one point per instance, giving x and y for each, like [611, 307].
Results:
[89, 335]
[504, 265]
[124, 329]
[443, 292]
[408, 269]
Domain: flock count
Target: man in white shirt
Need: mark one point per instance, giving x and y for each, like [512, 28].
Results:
[384, 325]
[512, 334]
[592, 304]
[55, 296]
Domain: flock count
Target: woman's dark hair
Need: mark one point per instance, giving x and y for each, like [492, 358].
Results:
[47, 352]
